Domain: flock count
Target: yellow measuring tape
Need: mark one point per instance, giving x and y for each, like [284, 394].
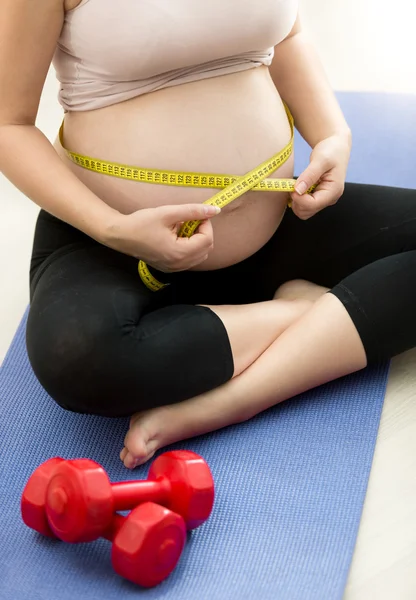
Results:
[232, 186]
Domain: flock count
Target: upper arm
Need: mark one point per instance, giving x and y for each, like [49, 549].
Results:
[29, 31]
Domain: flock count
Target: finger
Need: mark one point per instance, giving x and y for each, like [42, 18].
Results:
[326, 197]
[308, 205]
[312, 174]
[188, 261]
[201, 240]
[188, 212]
[305, 203]
[301, 212]
[205, 228]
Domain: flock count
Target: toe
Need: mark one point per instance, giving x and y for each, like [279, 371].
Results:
[136, 443]
[143, 438]
[129, 461]
[139, 447]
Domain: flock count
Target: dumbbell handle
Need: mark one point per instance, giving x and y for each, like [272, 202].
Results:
[128, 494]
[116, 524]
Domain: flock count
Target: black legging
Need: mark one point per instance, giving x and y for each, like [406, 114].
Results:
[100, 342]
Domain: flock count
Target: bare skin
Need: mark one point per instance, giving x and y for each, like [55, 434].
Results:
[226, 124]
[306, 351]
[142, 132]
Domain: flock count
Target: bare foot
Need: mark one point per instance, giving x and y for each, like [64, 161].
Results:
[300, 289]
[143, 438]
[153, 429]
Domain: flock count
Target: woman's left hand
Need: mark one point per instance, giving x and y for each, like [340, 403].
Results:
[327, 168]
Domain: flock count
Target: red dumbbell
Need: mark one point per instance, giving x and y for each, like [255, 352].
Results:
[147, 544]
[79, 499]
[33, 500]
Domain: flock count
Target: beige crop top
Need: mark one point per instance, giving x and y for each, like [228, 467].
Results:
[114, 50]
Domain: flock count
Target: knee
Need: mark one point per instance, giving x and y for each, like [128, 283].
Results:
[300, 289]
[70, 357]
[290, 290]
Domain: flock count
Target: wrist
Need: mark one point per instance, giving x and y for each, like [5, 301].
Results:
[342, 135]
[104, 227]
[345, 134]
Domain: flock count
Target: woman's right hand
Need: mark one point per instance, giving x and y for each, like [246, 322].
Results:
[151, 234]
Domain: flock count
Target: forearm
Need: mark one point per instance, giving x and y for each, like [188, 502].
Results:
[29, 161]
[302, 83]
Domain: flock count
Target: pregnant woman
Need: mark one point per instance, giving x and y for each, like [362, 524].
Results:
[264, 301]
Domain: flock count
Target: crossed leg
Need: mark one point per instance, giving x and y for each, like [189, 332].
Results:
[303, 347]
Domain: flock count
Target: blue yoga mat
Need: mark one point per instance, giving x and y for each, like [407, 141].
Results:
[290, 484]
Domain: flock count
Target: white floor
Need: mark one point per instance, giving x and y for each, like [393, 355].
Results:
[364, 45]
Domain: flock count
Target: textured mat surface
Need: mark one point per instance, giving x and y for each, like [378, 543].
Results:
[290, 483]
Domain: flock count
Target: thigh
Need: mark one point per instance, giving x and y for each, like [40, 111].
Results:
[53, 237]
[100, 342]
[66, 263]
[237, 284]
[82, 301]
[380, 299]
[367, 224]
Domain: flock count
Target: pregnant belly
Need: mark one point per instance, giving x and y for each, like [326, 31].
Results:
[225, 125]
